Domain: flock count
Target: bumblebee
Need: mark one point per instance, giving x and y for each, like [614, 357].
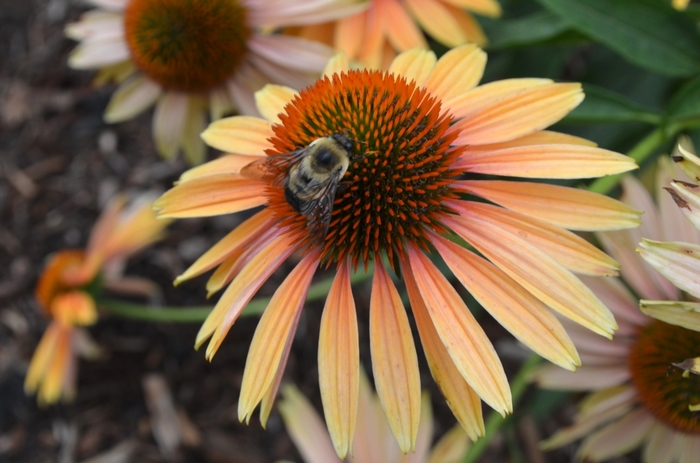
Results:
[311, 178]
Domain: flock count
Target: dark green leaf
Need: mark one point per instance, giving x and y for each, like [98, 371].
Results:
[649, 33]
[602, 105]
[685, 104]
[532, 29]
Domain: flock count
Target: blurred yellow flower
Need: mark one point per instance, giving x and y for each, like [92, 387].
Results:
[64, 296]
[414, 131]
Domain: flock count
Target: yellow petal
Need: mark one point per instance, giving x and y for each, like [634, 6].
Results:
[53, 385]
[226, 164]
[239, 134]
[394, 360]
[228, 269]
[339, 362]
[272, 99]
[469, 25]
[274, 330]
[546, 161]
[211, 195]
[685, 314]
[567, 248]
[489, 8]
[437, 20]
[686, 159]
[562, 206]
[74, 308]
[537, 272]
[679, 262]
[239, 236]
[451, 448]
[415, 65]
[462, 400]
[542, 137]
[339, 63]
[521, 313]
[464, 104]
[131, 98]
[465, 340]
[516, 114]
[456, 72]
[42, 358]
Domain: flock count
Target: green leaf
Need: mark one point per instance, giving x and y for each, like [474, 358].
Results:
[649, 33]
[685, 104]
[601, 105]
[528, 30]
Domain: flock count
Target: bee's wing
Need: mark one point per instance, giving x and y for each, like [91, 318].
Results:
[273, 169]
[320, 210]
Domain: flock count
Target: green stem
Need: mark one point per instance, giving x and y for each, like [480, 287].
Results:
[198, 314]
[495, 421]
[640, 152]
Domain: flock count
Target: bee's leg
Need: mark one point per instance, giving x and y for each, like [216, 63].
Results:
[342, 187]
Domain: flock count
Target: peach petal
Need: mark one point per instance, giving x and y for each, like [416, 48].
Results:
[461, 398]
[339, 362]
[211, 195]
[617, 438]
[52, 384]
[425, 433]
[521, 313]
[456, 72]
[271, 335]
[169, 122]
[584, 379]
[463, 337]
[415, 65]
[274, 14]
[547, 161]
[394, 360]
[489, 8]
[372, 427]
[373, 39]
[105, 224]
[401, 31]
[451, 448]
[132, 98]
[469, 25]
[567, 248]
[242, 289]
[348, 35]
[537, 272]
[230, 267]
[685, 314]
[465, 104]
[291, 52]
[336, 65]
[272, 99]
[437, 20]
[226, 164]
[74, 308]
[679, 262]
[239, 134]
[562, 206]
[238, 237]
[584, 425]
[517, 114]
[542, 137]
[305, 427]
[42, 358]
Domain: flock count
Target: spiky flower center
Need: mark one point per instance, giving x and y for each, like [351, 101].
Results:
[396, 186]
[664, 389]
[187, 45]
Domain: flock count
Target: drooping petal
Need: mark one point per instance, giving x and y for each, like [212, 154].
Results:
[401, 30]
[567, 248]
[617, 438]
[547, 161]
[566, 207]
[425, 433]
[437, 20]
[226, 164]
[489, 8]
[169, 122]
[51, 386]
[132, 98]
[584, 379]
[339, 362]
[239, 236]
[537, 272]
[456, 72]
[685, 314]
[42, 358]
[415, 65]
[272, 99]
[451, 448]
[242, 289]
[211, 195]
[373, 39]
[679, 262]
[239, 134]
[461, 398]
[305, 427]
[518, 114]
[463, 337]
[394, 360]
[521, 313]
[193, 147]
[616, 297]
[271, 335]
[220, 103]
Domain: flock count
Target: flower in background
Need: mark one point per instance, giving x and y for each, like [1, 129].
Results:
[680, 4]
[192, 56]
[415, 129]
[373, 442]
[679, 259]
[643, 393]
[374, 36]
[65, 293]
